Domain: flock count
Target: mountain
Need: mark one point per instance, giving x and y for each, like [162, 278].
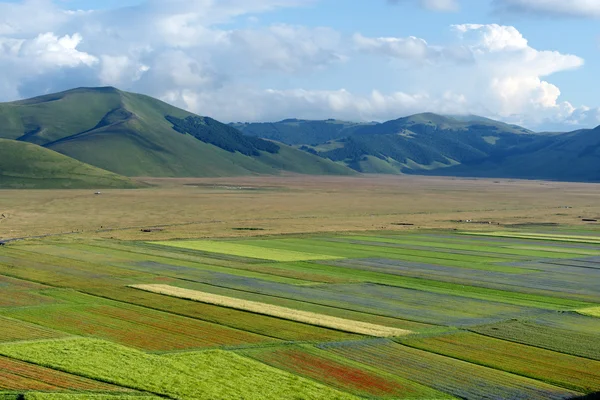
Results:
[572, 156]
[300, 131]
[26, 165]
[136, 135]
[419, 142]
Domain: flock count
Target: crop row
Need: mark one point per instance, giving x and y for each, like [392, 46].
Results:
[12, 329]
[592, 312]
[459, 378]
[259, 324]
[243, 250]
[375, 299]
[345, 375]
[576, 373]
[549, 279]
[206, 375]
[18, 375]
[530, 332]
[540, 236]
[310, 318]
[83, 396]
[135, 326]
[353, 250]
[503, 250]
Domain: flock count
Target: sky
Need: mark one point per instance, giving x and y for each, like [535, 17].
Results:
[530, 62]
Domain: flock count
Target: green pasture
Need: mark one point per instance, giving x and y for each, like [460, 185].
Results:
[208, 375]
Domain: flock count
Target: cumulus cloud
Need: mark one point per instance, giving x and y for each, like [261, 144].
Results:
[409, 48]
[569, 8]
[188, 54]
[434, 5]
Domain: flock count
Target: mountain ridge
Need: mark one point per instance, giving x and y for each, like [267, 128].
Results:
[434, 144]
[131, 134]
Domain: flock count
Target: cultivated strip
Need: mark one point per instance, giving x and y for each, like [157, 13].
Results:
[341, 324]
[592, 312]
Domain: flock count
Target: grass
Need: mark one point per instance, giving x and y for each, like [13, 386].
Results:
[222, 375]
[568, 371]
[358, 327]
[92, 396]
[300, 205]
[592, 312]
[459, 378]
[241, 250]
[129, 134]
[28, 166]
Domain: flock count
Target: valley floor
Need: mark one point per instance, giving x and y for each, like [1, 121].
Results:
[302, 287]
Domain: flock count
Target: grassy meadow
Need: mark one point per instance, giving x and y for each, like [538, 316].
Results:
[301, 288]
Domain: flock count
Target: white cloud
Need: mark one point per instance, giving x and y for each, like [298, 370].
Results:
[434, 5]
[503, 78]
[409, 48]
[570, 8]
[286, 48]
[181, 52]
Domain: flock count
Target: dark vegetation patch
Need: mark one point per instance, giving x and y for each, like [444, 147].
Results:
[227, 138]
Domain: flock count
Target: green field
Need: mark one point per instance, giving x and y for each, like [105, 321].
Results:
[497, 315]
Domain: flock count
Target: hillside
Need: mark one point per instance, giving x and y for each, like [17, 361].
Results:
[572, 156]
[136, 135]
[25, 165]
[422, 142]
[299, 131]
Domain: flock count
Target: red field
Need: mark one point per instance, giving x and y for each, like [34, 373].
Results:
[343, 376]
[18, 375]
[137, 327]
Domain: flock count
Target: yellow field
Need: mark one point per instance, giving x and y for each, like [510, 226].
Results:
[243, 250]
[592, 312]
[540, 236]
[326, 321]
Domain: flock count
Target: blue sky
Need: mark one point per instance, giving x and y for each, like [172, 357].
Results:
[531, 62]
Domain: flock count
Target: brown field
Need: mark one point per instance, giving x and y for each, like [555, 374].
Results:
[222, 207]
[346, 325]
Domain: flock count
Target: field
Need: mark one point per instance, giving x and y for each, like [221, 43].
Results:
[309, 318]
[301, 288]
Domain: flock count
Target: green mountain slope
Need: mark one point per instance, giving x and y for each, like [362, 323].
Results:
[26, 165]
[423, 142]
[433, 144]
[136, 135]
[298, 131]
